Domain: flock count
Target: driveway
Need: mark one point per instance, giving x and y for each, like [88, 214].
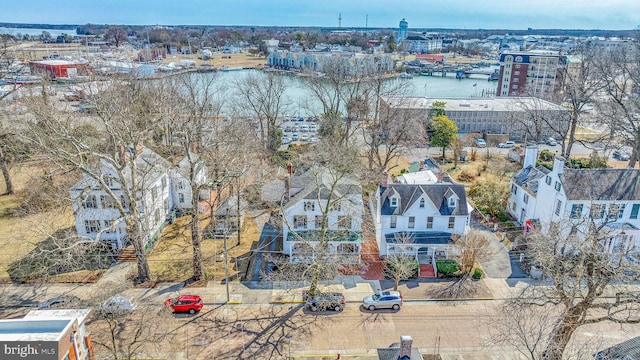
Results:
[502, 265]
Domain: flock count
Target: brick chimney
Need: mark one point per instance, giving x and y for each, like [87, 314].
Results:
[384, 180]
[287, 189]
[440, 177]
[405, 347]
[421, 165]
[122, 158]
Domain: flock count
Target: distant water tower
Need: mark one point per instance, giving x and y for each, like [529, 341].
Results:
[403, 32]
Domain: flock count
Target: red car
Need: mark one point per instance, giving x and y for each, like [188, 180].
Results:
[185, 303]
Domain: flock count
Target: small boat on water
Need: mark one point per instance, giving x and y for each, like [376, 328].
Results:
[227, 68]
[405, 75]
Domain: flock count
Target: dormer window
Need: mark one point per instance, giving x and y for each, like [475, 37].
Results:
[452, 202]
[421, 203]
[309, 206]
[394, 201]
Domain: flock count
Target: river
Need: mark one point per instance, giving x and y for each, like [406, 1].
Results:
[36, 32]
[299, 100]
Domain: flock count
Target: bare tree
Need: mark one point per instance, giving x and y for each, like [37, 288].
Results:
[388, 131]
[537, 121]
[470, 249]
[125, 120]
[116, 35]
[333, 194]
[582, 265]
[582, 82]
[261, 96]
[7, 139]
[620, 109]
[524, 327]
[128, 334]
[398, 265]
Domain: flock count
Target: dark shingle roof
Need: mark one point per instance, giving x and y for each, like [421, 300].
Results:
[391, 353]
[628, 350]
[601, 184]
[529, 177]
[437, 193]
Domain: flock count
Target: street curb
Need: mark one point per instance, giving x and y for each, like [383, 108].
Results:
[287, 302]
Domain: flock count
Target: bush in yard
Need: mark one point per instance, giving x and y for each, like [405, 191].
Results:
[447, 268]
[477, 273]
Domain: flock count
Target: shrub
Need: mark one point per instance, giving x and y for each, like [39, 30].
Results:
[447, 268]
[503, 217]
[466, 176]
[477, 273]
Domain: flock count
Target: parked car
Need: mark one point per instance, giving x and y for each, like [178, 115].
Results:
[117, 305]
[60, 302]
[304, 128]
[620, 155]
[551, 142]
[294, 136]
[313, 127]
[383, 300]
[481, 143]
[508, 144]
[304, 137]
[325, 301]
[286, 140]
[185, 303]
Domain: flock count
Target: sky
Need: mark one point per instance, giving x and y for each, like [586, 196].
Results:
[462, 14]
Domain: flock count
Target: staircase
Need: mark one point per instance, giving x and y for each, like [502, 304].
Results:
[427, 271]
[127, 255]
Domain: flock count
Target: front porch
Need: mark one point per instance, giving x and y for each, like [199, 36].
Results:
[342, 247]
[426, 247]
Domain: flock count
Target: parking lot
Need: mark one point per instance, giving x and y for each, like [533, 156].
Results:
[299, 130]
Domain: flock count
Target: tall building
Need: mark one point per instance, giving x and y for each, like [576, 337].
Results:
[403, 32]
[531, 73]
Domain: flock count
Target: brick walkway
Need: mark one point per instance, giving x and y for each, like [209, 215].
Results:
[371, 264]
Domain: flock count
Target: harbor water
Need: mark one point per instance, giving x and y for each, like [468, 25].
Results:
[299, 100]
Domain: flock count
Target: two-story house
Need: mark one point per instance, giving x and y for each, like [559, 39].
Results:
[564, 197]
[97, 215]
[309, 199]
[419, 219]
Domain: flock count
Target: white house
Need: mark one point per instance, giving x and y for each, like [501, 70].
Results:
[96, 214]
[305, 201]
[565, 197]
[181, 183]
[419, 219]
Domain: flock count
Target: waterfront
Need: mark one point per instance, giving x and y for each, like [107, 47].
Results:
[36, 32]
[298, 98]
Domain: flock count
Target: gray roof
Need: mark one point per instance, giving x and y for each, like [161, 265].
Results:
[230, 206]
[410, 193]
[509, 104]
[183, 167]
[529, 177]
[392, 352]
[628, 350]
[316, 183]
[601, 184]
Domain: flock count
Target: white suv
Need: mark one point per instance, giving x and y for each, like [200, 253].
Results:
[481, 143]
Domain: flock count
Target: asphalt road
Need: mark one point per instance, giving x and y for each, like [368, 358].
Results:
[460, 330]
